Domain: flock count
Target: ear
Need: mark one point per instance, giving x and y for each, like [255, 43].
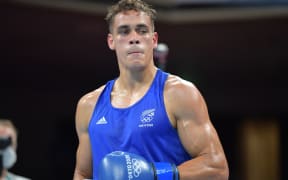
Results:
[110, 41]
[155, 40]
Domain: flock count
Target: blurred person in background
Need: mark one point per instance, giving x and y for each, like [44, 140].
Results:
[8, 146]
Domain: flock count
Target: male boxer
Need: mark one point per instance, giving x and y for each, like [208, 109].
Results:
[144, 114]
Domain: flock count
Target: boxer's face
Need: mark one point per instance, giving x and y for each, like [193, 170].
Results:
[133, 38]
[6, 131]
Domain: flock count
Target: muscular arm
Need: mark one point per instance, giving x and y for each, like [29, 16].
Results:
[189, 114]
[85, 107]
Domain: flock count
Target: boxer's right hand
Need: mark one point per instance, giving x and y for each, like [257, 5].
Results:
[120, 165]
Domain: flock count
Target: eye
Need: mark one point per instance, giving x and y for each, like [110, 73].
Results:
[123, 30]
[142, 30]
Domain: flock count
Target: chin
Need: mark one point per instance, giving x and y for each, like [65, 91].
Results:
[137, 67]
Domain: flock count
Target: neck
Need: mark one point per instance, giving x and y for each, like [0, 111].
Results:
[128, 91]
[129, 80]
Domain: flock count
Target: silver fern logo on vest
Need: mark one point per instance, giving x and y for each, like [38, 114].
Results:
[146, 118]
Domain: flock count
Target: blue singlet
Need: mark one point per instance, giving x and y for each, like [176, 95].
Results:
[143, 128]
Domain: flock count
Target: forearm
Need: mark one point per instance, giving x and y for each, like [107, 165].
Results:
[203, 168]
[79, 176]
[83, 166]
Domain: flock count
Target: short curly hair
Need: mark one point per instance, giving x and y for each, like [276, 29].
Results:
[126, 5]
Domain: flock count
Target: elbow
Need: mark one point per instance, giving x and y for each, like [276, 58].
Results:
[217, 173]
[219, 169]
[222, 171]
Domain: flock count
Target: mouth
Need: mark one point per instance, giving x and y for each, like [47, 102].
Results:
[135, 51]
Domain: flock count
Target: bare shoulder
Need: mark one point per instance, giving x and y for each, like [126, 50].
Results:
[177, 87]
[89, 99]
[85, 107]
[183, 100]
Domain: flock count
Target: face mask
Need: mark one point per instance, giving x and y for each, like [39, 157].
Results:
[9, 157]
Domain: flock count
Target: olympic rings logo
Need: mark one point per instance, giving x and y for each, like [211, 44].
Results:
[136, 165]
[147, 115]
[147, 119]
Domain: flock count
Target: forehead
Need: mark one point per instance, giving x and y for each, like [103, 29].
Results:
[7, 131]
[131, 18]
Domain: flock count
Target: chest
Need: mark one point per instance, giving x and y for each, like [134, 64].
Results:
[146, 116]
[124, 99]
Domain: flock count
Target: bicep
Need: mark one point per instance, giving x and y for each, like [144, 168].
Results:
[84, 111]
[195, 129]
[198, 138]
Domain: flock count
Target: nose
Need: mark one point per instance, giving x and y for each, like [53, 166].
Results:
[134, 41]
[134, 38]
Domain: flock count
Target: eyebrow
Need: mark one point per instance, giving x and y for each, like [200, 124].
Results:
[123, 27]
[127, 26]
[141, 25]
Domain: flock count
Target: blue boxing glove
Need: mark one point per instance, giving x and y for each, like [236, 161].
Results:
[120, 165]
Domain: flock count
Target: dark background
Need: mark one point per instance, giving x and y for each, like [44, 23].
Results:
[50, 57]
